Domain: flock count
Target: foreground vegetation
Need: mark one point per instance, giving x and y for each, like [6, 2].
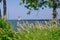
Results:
[28, 32]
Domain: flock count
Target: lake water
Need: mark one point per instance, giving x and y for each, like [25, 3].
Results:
[43, 22]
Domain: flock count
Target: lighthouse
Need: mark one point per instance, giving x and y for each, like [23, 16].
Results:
[18, 20]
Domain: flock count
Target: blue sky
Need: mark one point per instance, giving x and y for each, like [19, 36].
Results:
[14, 10]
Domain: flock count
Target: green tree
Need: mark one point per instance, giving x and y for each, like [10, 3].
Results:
[54, 4]
[4, 9]
[36, 4]
[0, 9]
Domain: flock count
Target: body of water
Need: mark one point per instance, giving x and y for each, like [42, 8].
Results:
[43, 22]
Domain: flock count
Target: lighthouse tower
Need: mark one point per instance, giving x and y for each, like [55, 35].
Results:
[18, 20]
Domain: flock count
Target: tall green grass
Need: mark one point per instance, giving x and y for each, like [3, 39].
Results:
[39, 32]
[28, 31]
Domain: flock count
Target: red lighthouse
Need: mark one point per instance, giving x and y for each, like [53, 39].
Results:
[19, 18]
